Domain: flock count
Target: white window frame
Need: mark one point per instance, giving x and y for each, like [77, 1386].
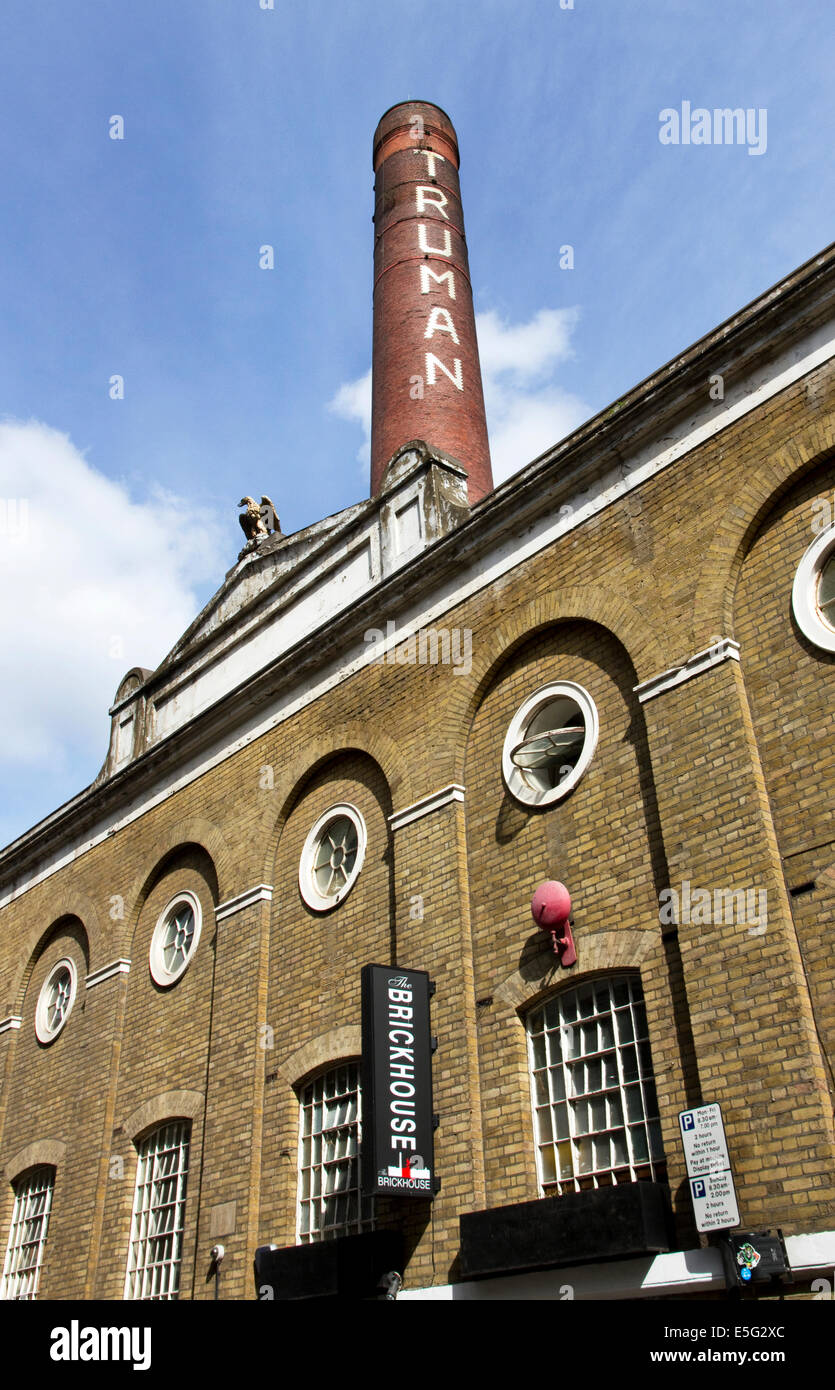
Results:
[27, 1234]
[317, 901]
[44, 1030]
[156, 1239]
[514, 778]
[329, 1166]
[566, 1115]
[156, 959]
[807, 614]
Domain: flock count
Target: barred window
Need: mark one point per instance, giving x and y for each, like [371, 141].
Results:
[27, 1237]
[594, 1102]
[156, 1242]
[330, 1199]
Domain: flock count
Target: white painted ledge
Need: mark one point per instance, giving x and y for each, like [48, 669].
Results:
[680, 1272]
[723, 650]
[677, 1274]
[8, 1024]
[262, 892]
[426, 805]
[121, 966]
[810, 1254]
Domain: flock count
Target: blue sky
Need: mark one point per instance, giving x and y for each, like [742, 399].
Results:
[246, 126]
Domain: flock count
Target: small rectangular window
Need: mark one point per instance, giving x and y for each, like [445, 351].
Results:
[27, 1237]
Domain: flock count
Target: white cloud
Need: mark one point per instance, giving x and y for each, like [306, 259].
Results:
[527, 411]
[353, 402]
[526, 352]
[95, 583]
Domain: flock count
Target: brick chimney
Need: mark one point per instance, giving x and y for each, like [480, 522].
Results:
[426, 378]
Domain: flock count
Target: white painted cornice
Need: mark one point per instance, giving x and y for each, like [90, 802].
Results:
[262, 892]
[426, 805]
[723, 650]
[120, 966]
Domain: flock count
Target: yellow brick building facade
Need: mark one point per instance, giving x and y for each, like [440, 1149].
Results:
[652, 560]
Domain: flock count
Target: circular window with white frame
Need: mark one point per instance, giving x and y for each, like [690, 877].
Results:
[813, 594]
[550, 743]
[175, 938]
[55, 1000]
[332, 857]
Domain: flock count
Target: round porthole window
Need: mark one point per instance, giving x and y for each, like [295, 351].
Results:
[550, 743]
[175, 938]
[332, 857]
[826, 591]
[813, 595]
[55, 1000]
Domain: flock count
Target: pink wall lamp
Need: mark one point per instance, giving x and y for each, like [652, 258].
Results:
[551, 910]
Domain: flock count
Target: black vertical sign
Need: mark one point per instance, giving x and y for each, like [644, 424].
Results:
[398, 1156]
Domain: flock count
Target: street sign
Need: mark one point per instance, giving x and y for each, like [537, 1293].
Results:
[703, 1137]
[398, 1128]
[708, 1168]
[714, 1201]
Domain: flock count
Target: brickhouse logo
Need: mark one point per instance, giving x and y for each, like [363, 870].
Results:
[408, 1167]
[397, 1135]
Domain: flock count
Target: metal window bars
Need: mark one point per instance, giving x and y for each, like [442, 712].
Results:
[27, 1236]
[593, 1095]
[330, 1199]
[156, 1243]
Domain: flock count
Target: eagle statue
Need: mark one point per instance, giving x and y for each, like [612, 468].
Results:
[258, 522]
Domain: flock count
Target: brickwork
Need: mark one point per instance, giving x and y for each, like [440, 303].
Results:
[315, 961]
[605, 842]
[426, 380]
[40, 1074]
[791, 688]
[725, 781]
[432, 885]
[164, 1046]
[744, 979]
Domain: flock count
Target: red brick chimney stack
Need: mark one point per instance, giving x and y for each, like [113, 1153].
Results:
[426, 379]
